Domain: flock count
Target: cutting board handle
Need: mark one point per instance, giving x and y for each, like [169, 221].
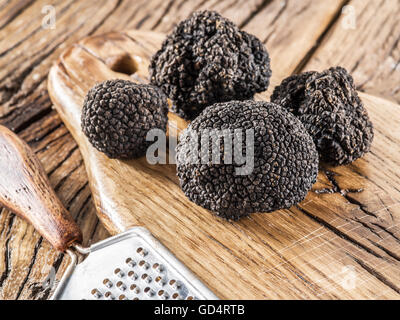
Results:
[26, 191]
[117, 196]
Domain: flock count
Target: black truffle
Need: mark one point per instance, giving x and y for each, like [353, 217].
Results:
[285, 160]
[328, 105]
[117, 114]
[207, 59]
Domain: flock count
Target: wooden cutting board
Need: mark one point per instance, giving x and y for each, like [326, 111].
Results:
[342, 241]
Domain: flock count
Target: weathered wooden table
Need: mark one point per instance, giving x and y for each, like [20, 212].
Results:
[326, 252]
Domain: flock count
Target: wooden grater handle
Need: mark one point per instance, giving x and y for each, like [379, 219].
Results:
[26, 191]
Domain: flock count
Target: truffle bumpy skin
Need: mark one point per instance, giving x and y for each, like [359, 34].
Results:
[328, 105]
[285, 160]
[207, 59]
[117, 114]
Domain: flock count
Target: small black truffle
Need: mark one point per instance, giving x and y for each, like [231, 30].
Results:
[328, 105]
[207, 59]
[117, 114]
[285, 160]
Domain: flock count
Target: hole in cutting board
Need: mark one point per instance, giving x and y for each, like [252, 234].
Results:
[123, 64]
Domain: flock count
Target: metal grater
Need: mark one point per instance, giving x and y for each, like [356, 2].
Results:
[130, 266]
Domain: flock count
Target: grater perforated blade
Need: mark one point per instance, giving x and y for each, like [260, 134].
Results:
[130, 266]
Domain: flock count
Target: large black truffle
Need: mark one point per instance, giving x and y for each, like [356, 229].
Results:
[117, 114]
[328, 105]
[207, 59]
[285, 160]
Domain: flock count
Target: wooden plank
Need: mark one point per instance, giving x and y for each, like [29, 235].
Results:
[370, 52]
[366, 41]
[164, 15]
[290, 29]
[9, 10]
[27, 51]
[376, 208]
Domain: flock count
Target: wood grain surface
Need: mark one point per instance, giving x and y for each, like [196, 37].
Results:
[359, 228]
